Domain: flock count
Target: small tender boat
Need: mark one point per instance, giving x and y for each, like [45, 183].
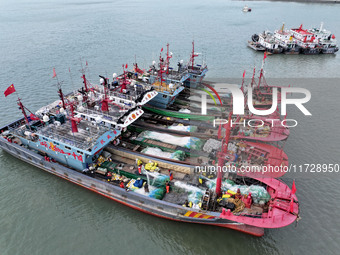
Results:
[246, 9]
[256, 46]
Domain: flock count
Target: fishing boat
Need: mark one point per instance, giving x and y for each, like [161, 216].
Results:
[83, 138]
[255, 45]
[189, 151]
[159, 94]
[246, 9]
[190, 74]
[325, 38]
[264, 130]
[197, 72]
[163, 72]
[167, 82]
[72, 144]
[166, 92]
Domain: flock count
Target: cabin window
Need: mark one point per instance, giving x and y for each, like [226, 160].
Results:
[45, 139]
[69, 148]
[121, 101]
[80, 152]
[92, 119]
[165, 96]
[56, 143]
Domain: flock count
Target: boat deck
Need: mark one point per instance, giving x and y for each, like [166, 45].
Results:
[85, 138]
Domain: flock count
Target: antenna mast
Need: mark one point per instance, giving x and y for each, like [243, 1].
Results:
[23, 111]
[221, 157]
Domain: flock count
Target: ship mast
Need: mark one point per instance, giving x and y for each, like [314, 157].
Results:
[123, 86]
[161, 71]
[253, 78]
[83, 76]
[61, 95]
[261, 72]
[193, 55]
[105, 101]
[74, 121]
[60, 91]
[242, 87]
[23, 110]
[168, 56]
[221, 157]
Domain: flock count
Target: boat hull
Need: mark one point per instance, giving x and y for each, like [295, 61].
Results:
[311, 51]
[134, 200]
[329, 50]
[164, 100]
[195, 79]
[181, 115]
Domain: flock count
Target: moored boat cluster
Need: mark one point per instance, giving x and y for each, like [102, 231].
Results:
[295, 41]
[142, 140]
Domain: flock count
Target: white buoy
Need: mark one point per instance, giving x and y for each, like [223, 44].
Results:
[153, 62]
[114, 75]
[101, 81]
[62, 110]
[181, 61]
[80, 98]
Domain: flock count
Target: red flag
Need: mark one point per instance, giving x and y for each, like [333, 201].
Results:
[126, 66]
[244, 73]
[162, 50]
[9, 90]
[54, 73]
[86, 63]
[293, 188]
[33, 117]
[265, 55]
